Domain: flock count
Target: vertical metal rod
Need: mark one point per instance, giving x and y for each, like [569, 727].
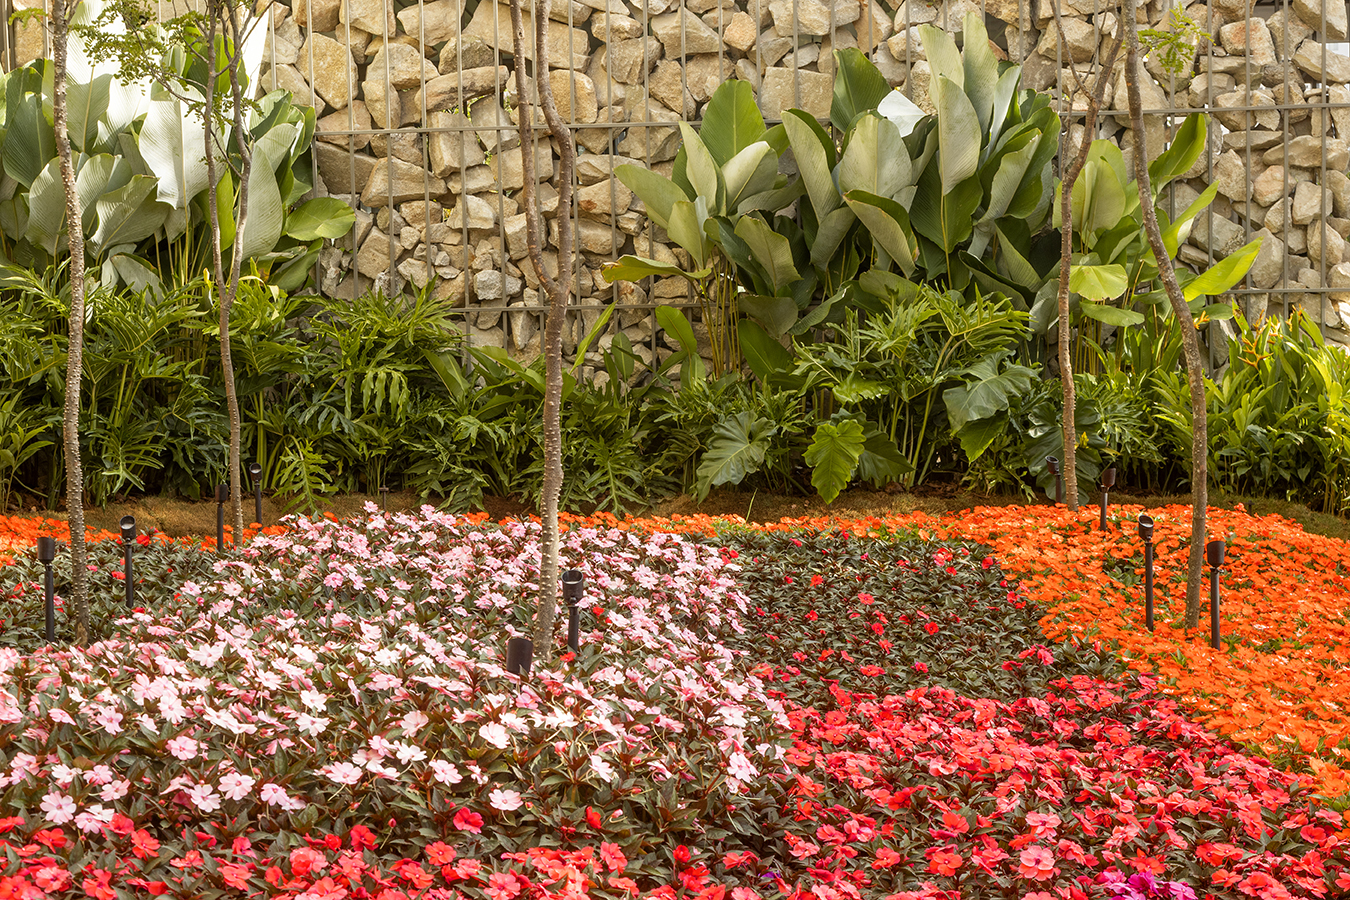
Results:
[220, 517]
[1214, 608]
[49, 585]
[1148, 585]
[127, 576]
[1101, 526]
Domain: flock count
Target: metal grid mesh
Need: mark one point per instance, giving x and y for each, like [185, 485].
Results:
[416, 103]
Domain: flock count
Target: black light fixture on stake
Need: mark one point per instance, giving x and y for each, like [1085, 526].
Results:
[384, 498]
[222, 496]
[255, 473]
[1108, 482]
[1146, 535]
[1214, 553]
[128, 542]
[519, 655]
[1052, 462]
[573, 586]
[46, 550]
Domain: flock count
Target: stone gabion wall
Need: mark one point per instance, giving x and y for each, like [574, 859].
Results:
[417, 110]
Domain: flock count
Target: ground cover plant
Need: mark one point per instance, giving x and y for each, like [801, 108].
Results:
[790, 711]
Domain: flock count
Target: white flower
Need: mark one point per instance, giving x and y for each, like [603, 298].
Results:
[342, 773]
[59, 808]
[506, 801]
[602, 768]
[236, 786]
[204, 797]
[495, 734]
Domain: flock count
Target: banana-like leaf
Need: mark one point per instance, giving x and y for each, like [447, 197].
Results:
[814, 152]
[774, 199]
[901, 112]
[737, 449]
[1180, 230]
[321, 217]
[731, 121]
[135, 273]
[86, 104]
[47, 208]
[1014, 264]
[833, 456]
[266, 214]
[771, 250]
[750, 172]
[673, 322]
[763, 353]
[636, 268]
[1225, 273]
[656, 192]
[858, 87]
[30, 142]
[1186, 147]
[943, 57]
[686, 229]
[945, 217]
[831, 232]
[1098, 282]
[174, 148]
[128, 215]
[876, 159]
[959, 133]
[778, 315]
[1004, 91]
[1111, 315]
[1012, 168]
[93, 180]
[704, 174]
[888, 223]
[981, 69]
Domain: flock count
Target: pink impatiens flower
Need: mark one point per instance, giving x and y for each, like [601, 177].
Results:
[59, 808]
[1037, 864]
[505, 801]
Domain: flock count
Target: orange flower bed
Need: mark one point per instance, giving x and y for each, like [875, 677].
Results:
[18, 533]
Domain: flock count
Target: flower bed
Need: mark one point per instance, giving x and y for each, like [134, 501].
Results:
[765, 714]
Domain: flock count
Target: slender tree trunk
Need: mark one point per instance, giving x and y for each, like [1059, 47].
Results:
[1195, 374]
[79, 571]
[1068, 178]
[557, 290]
[233, 55]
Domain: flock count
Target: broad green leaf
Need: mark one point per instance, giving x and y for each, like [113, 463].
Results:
[750, 172]
[1111, 315]
[47, 208]
[815, 160]
[1098, 282]
[86, 105]
[853, 389]
[737, 449]
[771, 250]
[93, 181]
[656, 192]
[831, 232]
[776, 314]
[773, 199]
[1004, 91]
[763, 354]
[988, 392]
[173, 146]
[322, 217]
[981, 69]
[881, 462]
[593, 335]
[266, 215]
[674, 323]
[705, 176]
[136, 273]
[901, 112]
[1180, 230]
[945, 217]
[833, 456]
[731, 121]
[636, 268]
[1012, 168]
[1186, 147]
[1223, 274]
[858, 87]
[958, 133]
[888, 223]
[1013, 264]
[686, 230]
[876, 159]
[976, 437]
[128, 215]
[30, 142]
[943, 57]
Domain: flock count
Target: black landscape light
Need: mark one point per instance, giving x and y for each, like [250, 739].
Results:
[255, 473]
[46, 550]
[573, 586]
[1146, 535]
[384, 498]
[222, 496]
[1052, 462]
[1108, 482]
[519, 655]
[128, 542]
[1214, 553]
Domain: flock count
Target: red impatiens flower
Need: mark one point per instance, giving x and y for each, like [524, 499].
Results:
[944, 861]
[886, 857]
[466, 820]
[931, 627]
[440, 853]
[1037, 864]
[361, 837]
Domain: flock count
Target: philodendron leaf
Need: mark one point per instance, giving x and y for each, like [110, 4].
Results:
[881, 461]
[987, 393]
[737, 449]
[1096, 282]
[833, 456]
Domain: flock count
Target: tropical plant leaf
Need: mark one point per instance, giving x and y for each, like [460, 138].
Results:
[1098, 282]
[959, 133]
[1225, 273]
[749, 173]
[47, 208]
[814, 152]
[943, 57]
[656, 192]
[321, 217]
[737, 449]
[30, 142]
[128, 215]
[686, 229]
[888, 223]
[876, 159]
[987, 392]
[731, 121]
[771, 250]
[705, 176]
[765, 355]
[830, 233]
[86, 105]
[776, 314]
[858, 87]
[881, 461]
[1111, 315]
[175, 150]
[833, 456]
[636, 268]
[1187, 144]
[980, 67]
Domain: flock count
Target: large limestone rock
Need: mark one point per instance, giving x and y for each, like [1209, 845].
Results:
[451, 144]
[509, 167]
[1327, 17]
[334, 72]
[568, 47]
[402, 64]
[371, 16]
[431, 23]
[574, 94]
[784, 89]
[812, 16]
[343, 172]
[454, 90]
[316, 15]
[393, 181]
[1250, 38]
[684, 34]
[1322, 63]
[603, 199]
